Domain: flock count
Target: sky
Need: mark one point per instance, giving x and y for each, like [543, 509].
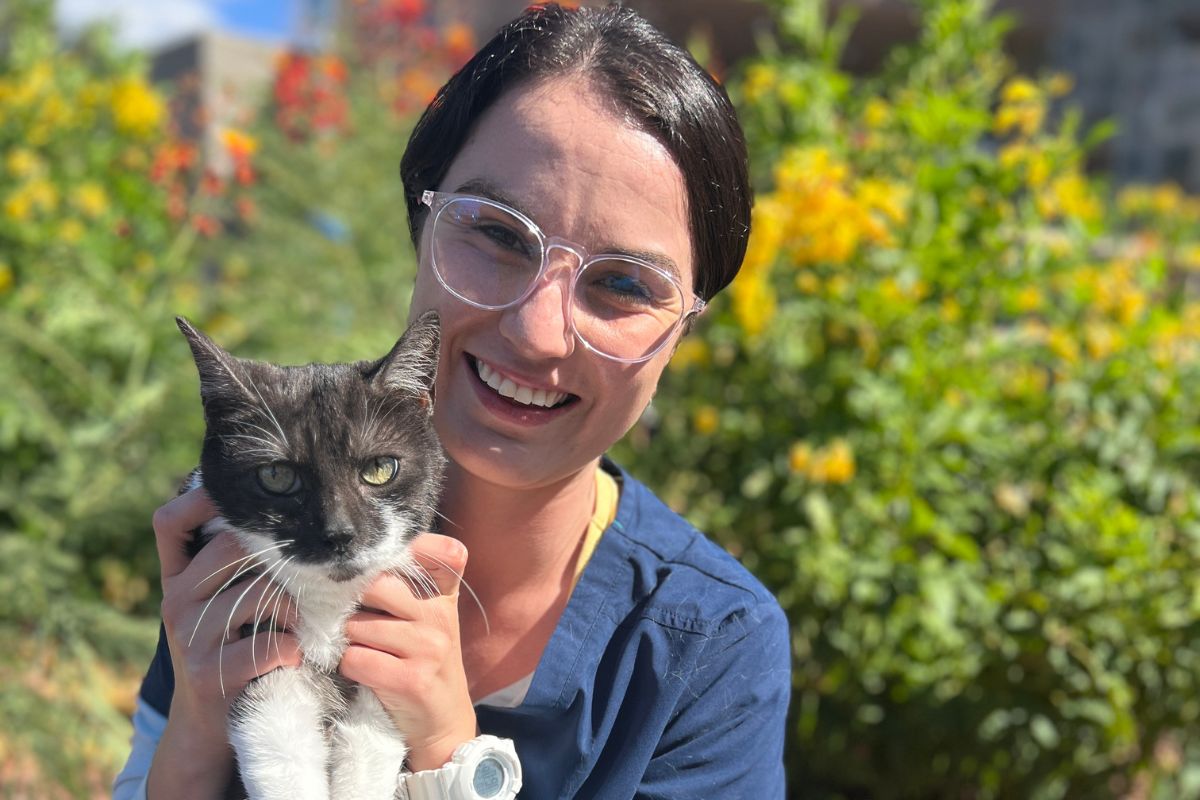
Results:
[152, 23]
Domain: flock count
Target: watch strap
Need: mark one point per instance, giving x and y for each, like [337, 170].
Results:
[431, 784]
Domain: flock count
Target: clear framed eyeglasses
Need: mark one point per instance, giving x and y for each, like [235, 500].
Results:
[491, 256]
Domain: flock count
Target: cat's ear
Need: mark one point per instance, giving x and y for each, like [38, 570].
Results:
[411, 366]
[219, 372]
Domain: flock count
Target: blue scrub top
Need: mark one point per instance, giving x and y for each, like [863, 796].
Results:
[668, 675]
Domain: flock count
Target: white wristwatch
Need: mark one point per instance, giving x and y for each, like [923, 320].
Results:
[485, 768]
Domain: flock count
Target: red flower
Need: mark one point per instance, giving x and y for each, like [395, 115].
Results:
[211, 184]
[206, 225]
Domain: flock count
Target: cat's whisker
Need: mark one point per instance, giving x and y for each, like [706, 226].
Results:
[266, 445]
[255, 554]
[273, 634]
[270, 442]
[261, 607]
[242, 570]
[292, 598]
[271, 414]
[463, 582]
[419, 580]
[437, 513]
[228, 622]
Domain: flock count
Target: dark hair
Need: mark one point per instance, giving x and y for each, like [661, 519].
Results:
[654, 83]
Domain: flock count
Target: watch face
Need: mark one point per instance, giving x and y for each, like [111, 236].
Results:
[489, 777]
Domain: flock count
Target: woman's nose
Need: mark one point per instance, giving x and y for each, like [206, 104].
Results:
[539, 327]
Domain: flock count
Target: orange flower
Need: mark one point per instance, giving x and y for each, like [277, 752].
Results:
[206, 225]
[459, 42]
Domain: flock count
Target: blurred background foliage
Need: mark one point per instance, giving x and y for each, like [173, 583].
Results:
[945, 412]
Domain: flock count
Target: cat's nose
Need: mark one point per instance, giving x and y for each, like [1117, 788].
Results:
[339, 539]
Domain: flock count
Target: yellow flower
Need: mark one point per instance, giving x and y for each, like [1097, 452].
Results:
[1037, 170]
[136, 108]
[800, 457]
[21, 162]
[1063, 345]
[1189, 257]
[760, 80]
[1102, 340]
[768, 219]
[91, 199]
[706, 420]
[43, 195]
[877, 113]
[93, 95]
[691, 351]
[833, 464]
[889, 198]
[17, 206]
[1026, 381]
[1166, 199]
[1069, 196]
[1029, 299]
[1134, 200]
[71, 231]
[808, 282]
[1019, 90]
[28, 88]
[753, 302]
[1022, 108]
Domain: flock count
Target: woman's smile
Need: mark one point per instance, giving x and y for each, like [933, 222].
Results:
[516, 398]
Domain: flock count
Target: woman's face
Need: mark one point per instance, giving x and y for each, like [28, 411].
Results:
[556, 152]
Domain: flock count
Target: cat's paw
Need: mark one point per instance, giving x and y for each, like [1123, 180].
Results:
[367, 753]
[275, 727]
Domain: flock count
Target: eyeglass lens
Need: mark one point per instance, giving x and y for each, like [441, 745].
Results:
[490, 257]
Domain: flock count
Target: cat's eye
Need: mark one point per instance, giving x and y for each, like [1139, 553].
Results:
[379, 470]
[278, 478]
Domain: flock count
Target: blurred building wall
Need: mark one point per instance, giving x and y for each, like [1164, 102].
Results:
[1135, 61]
[217, 82]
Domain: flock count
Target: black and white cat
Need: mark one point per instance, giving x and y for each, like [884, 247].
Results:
[325, 473]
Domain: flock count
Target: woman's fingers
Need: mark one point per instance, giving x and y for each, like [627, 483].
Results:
[259, 654]
[224, 616]
[438, 563]
[173, 526]
[400, 638]
[443, 558]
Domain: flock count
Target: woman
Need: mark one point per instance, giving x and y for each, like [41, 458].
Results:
[626, 655]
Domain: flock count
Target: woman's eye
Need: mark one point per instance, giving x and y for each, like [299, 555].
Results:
[504, 237]
[625, 287]
[278, 478]
[380, 470]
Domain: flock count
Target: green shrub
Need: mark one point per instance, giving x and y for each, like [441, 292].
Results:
[947, 413]
[109, 227]
[90, 265]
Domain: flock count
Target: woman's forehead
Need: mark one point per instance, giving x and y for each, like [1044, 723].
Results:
[559, 153]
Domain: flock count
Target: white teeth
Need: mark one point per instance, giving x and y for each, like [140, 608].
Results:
[507, 387]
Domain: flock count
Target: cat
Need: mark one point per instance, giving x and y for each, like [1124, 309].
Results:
[324, 473]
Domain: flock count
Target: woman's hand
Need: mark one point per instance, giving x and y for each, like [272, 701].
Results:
[212, 662]
[405, 646]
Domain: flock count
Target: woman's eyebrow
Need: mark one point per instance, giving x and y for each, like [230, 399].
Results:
[489, 190]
